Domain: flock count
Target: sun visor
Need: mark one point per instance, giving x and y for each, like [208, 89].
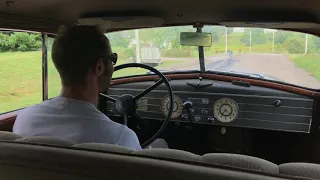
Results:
[273, 25]
[124, 22]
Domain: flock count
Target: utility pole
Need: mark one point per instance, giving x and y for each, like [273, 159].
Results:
[306, 46]
[272, 41]
[250, 41]
[137, 46]
[226, 42]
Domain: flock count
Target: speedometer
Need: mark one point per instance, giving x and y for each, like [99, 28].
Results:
[177, 106]
[225, 110]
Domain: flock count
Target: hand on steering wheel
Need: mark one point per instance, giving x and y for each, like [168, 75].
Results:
[126, 104]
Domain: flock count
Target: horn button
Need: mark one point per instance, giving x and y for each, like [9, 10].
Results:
[126, 104]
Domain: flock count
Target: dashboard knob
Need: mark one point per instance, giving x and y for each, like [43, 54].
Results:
[185, 117]
[191, 110]
[211, 120]
[110, 112]
[277, 103]
[204, 111]
[197, 118]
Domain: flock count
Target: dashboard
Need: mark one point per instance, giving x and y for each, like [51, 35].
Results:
[220, 103]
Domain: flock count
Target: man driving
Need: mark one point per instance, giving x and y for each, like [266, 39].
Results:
[84, 59]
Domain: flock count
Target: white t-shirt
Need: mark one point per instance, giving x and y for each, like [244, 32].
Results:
[74, 120]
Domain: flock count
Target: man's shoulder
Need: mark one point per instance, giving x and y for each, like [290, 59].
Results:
[129, 139]
[31, 109]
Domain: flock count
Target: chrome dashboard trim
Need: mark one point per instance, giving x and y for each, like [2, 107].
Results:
[220, 94]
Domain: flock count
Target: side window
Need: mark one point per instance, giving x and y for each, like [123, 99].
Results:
[20, 74]
[54, 82]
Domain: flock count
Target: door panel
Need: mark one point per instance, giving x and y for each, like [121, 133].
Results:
[7, 120]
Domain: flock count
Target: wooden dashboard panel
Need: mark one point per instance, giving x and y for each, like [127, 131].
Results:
[255, 82]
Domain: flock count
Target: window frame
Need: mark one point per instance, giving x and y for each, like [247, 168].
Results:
[44, 69]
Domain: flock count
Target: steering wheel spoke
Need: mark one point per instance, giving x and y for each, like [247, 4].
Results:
[125, 119]
[143, 93]
[108, 97]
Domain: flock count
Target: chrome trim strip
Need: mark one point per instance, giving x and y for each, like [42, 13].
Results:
[246, 119]
[296, 107]
[276, 114]
[221, 94]
[293, 107]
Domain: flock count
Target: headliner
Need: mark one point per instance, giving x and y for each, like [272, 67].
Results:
[48, 15]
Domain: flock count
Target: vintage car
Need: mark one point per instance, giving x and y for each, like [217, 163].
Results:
[252, 116]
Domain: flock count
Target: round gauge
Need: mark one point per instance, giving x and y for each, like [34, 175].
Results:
[177, 106]
[225, 110]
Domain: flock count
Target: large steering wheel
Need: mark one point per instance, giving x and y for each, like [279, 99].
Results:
[126, 104]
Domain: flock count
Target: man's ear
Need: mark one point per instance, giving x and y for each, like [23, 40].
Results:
[100, 68]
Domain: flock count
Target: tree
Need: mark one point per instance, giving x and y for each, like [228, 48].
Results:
[120, 39]
[4, 42]
[216, 32]
[166, 35]
[294, 45]
[23, 41]
[257, 36]
[315, 41]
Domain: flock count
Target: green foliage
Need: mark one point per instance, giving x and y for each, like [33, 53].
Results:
[310, 63]
[163, 36]
[130, 52]
[257, 36]
[281, 36]
[216, 32]
[120, 39]
[20, 41]
[315, 41]
[294, 45]
[4, 42]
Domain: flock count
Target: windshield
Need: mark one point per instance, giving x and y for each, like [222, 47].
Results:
[268, 54]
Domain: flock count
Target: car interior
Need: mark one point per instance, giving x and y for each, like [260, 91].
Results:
[217, 125]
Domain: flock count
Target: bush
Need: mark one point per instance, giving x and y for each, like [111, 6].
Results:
[20, 41]
[176, 53]
[130, 52]
[4, 42]
[294, 45]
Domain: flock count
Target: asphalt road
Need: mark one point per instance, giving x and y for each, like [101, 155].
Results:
[274, 66]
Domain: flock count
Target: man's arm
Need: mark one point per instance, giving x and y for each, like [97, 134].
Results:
[129, 139]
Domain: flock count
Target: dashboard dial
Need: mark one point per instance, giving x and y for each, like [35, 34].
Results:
[177, 106]
[225, 110]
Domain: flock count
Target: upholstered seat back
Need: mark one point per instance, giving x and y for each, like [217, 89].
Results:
[51, 158]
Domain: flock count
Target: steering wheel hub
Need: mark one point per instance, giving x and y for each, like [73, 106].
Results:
[126, 104]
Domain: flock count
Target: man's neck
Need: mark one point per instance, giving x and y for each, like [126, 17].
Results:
[80, 93]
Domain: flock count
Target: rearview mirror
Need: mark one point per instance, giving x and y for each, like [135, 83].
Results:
[195, 39]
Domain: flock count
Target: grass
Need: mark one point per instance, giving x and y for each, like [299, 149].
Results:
[310, 63]
[234, 43]
[21, 78]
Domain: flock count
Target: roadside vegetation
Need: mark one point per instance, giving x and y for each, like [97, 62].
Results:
[310, 63]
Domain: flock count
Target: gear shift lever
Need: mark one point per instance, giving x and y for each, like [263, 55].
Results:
[188, 106]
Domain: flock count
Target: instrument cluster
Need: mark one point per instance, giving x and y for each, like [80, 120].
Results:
[224, 110]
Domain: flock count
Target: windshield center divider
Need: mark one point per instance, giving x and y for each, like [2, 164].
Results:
[201, 51]
[44, 66]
